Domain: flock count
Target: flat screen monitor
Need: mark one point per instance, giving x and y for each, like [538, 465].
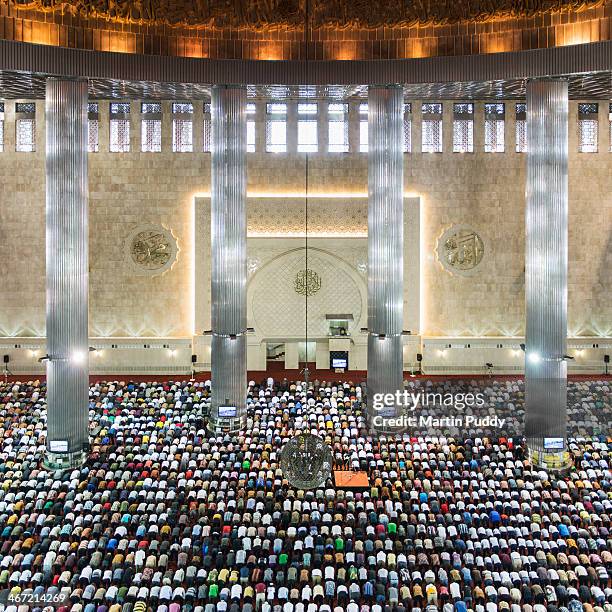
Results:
[339, 362]
[228, 411]
[554, 443]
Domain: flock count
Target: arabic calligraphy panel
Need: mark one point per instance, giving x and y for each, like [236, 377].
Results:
[460, 249]
[150, 250]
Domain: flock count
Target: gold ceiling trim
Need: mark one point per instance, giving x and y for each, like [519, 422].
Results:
[251, 14]
[404, 13]
[340, 14]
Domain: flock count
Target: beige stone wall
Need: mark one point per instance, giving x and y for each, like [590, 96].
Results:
[485, 191]
[590, 234]
[22, 232]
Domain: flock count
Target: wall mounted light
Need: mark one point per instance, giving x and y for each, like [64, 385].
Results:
[78, 357]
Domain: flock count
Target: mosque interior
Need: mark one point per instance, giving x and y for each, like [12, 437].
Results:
[305, 306]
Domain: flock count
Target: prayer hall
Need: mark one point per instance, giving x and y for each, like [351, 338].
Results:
[305, 306]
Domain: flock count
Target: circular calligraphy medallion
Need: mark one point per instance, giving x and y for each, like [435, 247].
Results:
[151, 250]
[460, 249]
[307, 282]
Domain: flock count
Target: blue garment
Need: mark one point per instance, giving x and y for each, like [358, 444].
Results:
[467, 575]
[563, 530]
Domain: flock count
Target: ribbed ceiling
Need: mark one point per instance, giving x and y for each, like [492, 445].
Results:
[17, 85]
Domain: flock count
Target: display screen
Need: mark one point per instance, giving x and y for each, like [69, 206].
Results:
[227, 411]
[554, 443]
[339, 362]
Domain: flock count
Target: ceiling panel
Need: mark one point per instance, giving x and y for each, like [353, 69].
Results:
[16, 85]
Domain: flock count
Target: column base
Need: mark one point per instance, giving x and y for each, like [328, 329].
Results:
[64, 461]
[226, 426]
[557, 461]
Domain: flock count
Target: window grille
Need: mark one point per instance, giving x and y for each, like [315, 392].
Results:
[521, 127]
[431, 137]
[338, 127]
[276, 127]
[588, 127]
[182, 127]
[495, 120]
[251, 111]
[25, 107]
[119, 127]
[407, 127]
[93, 127]
[307, 126]
[1, 126]
[151, 127]
[25, 127]
[463, 128]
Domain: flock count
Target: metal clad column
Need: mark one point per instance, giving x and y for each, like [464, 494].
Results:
[228, 242]
[546, 262]
[67, 259]
[385, 245]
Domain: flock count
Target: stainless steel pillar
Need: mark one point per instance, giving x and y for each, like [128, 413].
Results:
[546, 267]
[385, 249]
[67, 272]
[228, 243]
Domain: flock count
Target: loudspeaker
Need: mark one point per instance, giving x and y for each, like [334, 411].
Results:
[419, 357]
[7, 358]
[606, 358]
[194, 359]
